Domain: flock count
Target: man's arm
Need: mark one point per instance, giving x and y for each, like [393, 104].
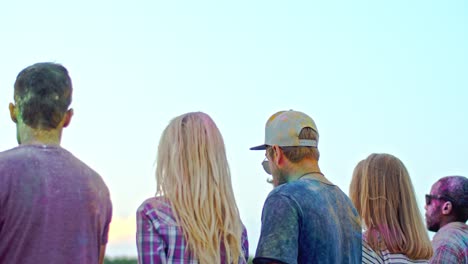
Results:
[102, 253]
[267, 261]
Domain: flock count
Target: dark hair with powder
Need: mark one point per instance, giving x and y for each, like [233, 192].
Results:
[456, 187]
[43, 93]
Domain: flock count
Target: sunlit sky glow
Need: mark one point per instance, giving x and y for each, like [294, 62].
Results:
[376, 76]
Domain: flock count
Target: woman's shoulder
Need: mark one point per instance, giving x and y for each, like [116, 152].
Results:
[154, 202]
[368, 254]
[157, 208]
[384, 256]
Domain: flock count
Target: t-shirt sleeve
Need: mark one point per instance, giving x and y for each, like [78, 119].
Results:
[2, 210]
[4, 189]
[105, 232]
[245, 244]
[280, 230]
[369, 256]
[150, 245]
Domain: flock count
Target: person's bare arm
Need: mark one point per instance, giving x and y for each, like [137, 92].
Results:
[267, 261]
[102, 253]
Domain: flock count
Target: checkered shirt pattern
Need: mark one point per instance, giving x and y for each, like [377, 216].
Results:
[161, 240]
[451, 244]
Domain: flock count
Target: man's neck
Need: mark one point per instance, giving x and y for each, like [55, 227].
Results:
[304, 168]
[32, 136]
[446, 220]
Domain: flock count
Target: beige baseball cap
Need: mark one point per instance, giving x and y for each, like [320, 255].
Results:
[283, 129]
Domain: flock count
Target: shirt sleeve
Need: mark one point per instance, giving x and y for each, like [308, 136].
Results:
[105, 232]
[445, 254]
[149, 243]
[245, 244]
[280, 231]
[369, 256]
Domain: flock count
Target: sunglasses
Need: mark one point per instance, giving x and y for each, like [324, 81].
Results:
[430, 197]
[266, 162]
[266, 165]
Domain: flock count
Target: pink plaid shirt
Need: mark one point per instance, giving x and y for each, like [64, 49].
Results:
[161, 240]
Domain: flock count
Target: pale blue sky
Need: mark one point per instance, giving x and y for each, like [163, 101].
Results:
[377, 76]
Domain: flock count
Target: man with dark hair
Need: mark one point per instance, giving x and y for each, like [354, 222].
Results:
[447, 213]
[306, 218]
[53, 207]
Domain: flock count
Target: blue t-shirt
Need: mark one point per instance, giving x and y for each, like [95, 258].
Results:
[309, 221]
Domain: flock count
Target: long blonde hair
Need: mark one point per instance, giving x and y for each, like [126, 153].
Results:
[193, 174]
[383, 194]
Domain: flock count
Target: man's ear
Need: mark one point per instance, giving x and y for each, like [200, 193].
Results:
[279, 157]
[447, 208]
[13, 112]
[67, 117]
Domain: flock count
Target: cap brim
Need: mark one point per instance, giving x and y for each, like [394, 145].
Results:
[261, 147]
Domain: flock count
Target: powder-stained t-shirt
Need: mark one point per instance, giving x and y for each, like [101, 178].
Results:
[53, 208]
[309, 221]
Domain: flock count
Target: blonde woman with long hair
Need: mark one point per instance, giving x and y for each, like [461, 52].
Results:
[194, 217]
[383, 194]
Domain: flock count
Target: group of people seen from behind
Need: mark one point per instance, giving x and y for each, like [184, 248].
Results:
[56, 209]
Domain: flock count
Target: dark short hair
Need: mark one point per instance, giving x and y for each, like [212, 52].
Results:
[43, 93]
[456, 187]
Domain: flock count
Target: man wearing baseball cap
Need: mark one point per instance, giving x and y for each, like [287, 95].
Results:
[305, 218]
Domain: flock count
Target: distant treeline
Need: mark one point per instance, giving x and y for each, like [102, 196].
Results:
[120, 261]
